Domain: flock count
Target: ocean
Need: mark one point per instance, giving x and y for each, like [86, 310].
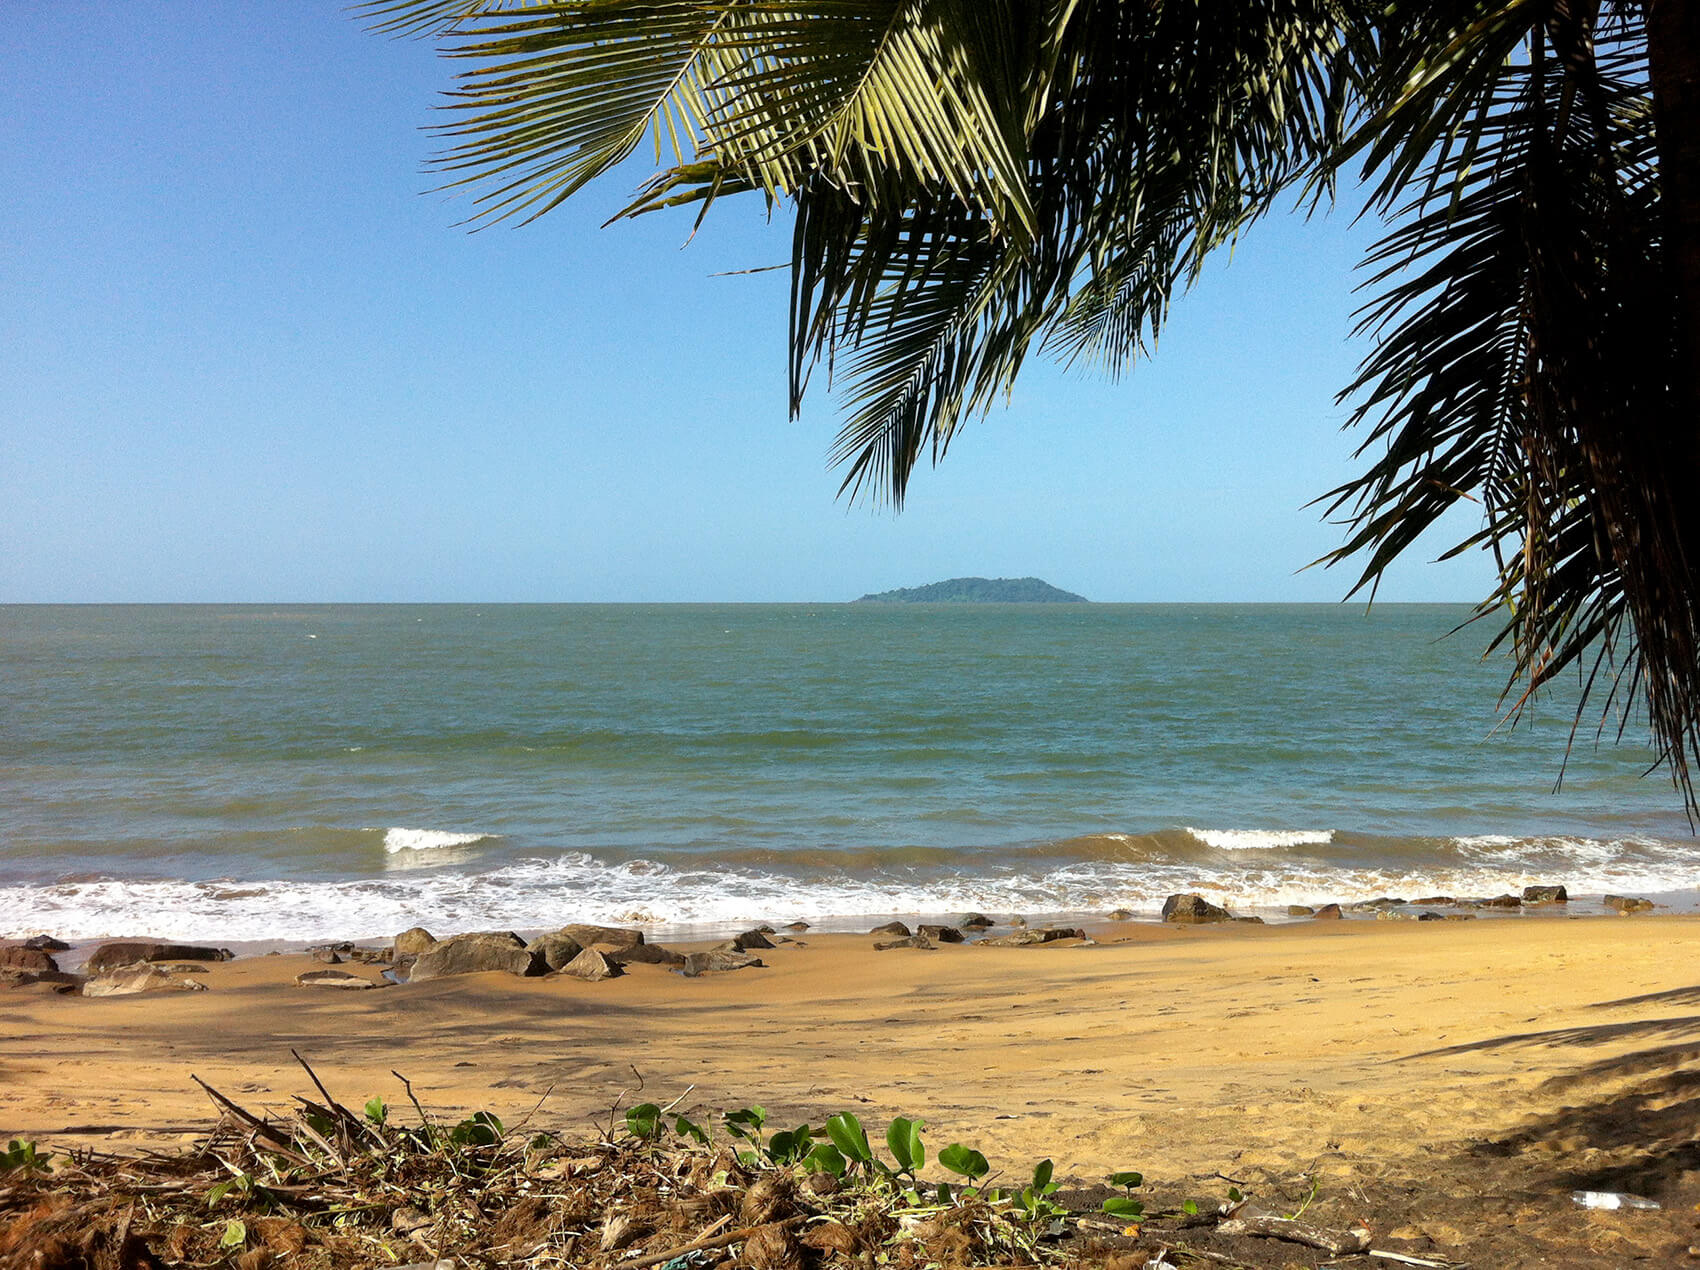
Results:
[279, 774]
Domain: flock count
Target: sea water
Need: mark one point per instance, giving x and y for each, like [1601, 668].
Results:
[290, 773]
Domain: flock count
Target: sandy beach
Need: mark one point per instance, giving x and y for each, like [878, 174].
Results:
[1449, 1083]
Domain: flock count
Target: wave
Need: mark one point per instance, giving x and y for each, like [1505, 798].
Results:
[1261, 839]
[401, 839]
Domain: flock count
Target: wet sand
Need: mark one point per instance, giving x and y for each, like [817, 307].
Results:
[1439, 1076]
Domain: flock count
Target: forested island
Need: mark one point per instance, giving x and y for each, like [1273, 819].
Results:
[978, 591]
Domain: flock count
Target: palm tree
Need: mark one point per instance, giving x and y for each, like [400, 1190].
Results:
[976, 180]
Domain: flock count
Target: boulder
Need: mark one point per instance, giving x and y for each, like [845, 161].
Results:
[1121, 915]
[1426, 916]
[1250, 921]
[1027, 938]
[592, 965]
[798, 926]
[892, 928]
[698, 963]
[1394, 915]
[648, 954]
[1628, 904]
[751, 939]
[1431, 901]
[1300, 910]
[1545, 895]
[1499, 901]
[19, 957]
[617, 936]
[132, 979]
[371, 956]
[1192, 908]
[914, 941]
[46, 943]
[555, 949]
[975, 921]
[413, 941]
[475, 954]
[1329, 913]
[940, 934]
[1376, 905]
[329, 956]
[53, 980]
[128, 952]
[332, 979]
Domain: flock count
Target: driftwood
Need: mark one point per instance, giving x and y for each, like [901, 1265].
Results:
[1337, 1243]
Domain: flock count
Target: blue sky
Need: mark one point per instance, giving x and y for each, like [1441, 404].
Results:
[247, 355]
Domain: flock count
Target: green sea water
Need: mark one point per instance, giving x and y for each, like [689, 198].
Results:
[302, 772]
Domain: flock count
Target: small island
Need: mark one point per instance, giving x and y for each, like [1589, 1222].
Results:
[978, 591]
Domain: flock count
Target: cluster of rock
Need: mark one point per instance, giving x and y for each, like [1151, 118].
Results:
[116, 969]
[929, 936]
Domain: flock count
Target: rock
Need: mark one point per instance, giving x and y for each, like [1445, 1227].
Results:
[128, 952]
[592, 965]
[133, 979]
[751, 939]
[1192, 908]
[1121, 915]
[370, 956]
[1028, 938]
[1018, 922]
[1545, 895]
[1434, 900]
[179, 967]
[1329, 913]
[698, 963]
[1384, 902]
[1250, 921]
[11, 977]
[19, 957]
[330, 956]
[648, 954]
[1460, 917]
[46, 943]
[618, 936]
[331, 979]
[975, 921]
[413, 941]
[772, 1247]
[892, 928]
[1393, 915]
[914, 941]
[798, 926]
[555, 949]
[1431, 917]
[1628, 904]
[940, 934]
[475, 954]
[765, 929]
[1300, 910]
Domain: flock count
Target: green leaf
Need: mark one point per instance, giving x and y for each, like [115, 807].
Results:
[849, 1137]
[690, 1129]
[1190, 1208]
[643, 1121]
[964, 1160]
[235, 1234]
[1127, 1181]
[826, 1158]
[376, 1112]
[1042, 1177]
[788, 1147]
[746, 1123]
[904, 1140]
[1130, 1210]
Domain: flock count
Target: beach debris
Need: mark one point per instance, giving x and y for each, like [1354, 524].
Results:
[592, 965]
[715, 960]
[975, 921]
[1627, 904]
[332, 979]
[1545, 895]
[131, 980]
[616, 936]
[914, 941]
[19, 957]
[1300, 910]
[413, 941]
[621, 1230]
[892, 928]
[940, 934]
[1329, 913]
[129, 952]
[1337, 1243]
[1611, 1199]
[1191, 907]
[476, 954]
[555, 949]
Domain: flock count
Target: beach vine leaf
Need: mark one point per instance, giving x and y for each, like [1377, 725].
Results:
[643, 1121]
[849, 1137]
[904, 1140]
[965, 1160]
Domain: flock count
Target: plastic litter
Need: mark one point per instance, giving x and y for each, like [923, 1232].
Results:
[1611, 1199]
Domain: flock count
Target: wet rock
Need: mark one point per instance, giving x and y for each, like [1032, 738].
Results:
[1394, 915]
[1029, 938]
[46, 943]
[1545, 895]
[1250, 921]
[19, 957]
[413, 941]
[1627, 904]
[1426, 916]
[1376, 905]
[892, 928]
[914, 941]
[132, 980]
[331, 979]
[618, 936]
[556, 949]
[751, 939]
[1434, 901]
[716, 960]
[975, 921]
[1300, 910]
[1460, 917]
[798, 926]
[1499, 901]
[1329, 913]
[1121, 915]
[940, 934]
[648, 954]
[1192, 908]
[475, 954]
[765, 929]
[592, 965]
[128, 952]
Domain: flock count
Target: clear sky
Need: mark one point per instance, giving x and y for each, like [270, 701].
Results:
[246, 355]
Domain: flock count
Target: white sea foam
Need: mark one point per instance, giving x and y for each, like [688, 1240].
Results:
[1261, 839]
[401, 839]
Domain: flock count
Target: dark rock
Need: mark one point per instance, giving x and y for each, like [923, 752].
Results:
[1499, 901]
[556, 949]
[330, 956]
[128, 952]
[332, 979]
[752, 939]
[798, 926]
[132, 979]
[413, 941]
[615, 936]
[914, 941]
[1300, 910]
[940, 934]
[20, 958]
[592, 965]
[1384, 902]
[475, 954]
[698, 963]
[648, 954]
[765, 929]
[892, 928]
[1192, 908]
[11, 977]
[1628, 904]
[1250, 921]
[975, 921]
[1545, 895]
[1018, 922]
[1024, 938]
[1431, 917]
[1433, 901]
[46, 943]
[1329, 913]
